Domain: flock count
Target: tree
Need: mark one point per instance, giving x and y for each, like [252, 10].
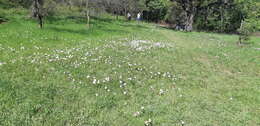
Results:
[218, 16]
[156, 10]
[23, 3]
[38, 11]
[190, 9]
[212, 15]
[250, 20]
[87, 13]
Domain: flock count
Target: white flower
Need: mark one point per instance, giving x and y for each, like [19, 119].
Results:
[124, 92]
[94, 81]
[164, 75]
[182, 122]
[96, 94]
[107, 78]
[148, 122]
[142, 107]
[136, 114]
[2, 63]
[161, 92]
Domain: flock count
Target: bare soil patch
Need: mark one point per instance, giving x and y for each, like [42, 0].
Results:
[256, 34]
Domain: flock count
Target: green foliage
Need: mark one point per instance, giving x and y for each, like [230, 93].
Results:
[175, 15]
[156, 9]
[250, 23]
[2, 14]
[212, 15]
[50, 7]
[6, 4]
[247, 27]
[19, 3]
[256, 14]
[223, 18]
[245, 31]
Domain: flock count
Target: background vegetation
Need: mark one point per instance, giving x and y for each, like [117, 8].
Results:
[206, 15]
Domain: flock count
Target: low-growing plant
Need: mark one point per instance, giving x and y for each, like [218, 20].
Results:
[244, 32]
[246, 29]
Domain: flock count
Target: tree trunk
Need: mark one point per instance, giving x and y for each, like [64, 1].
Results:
[41, 21]
[206, 21]
[239, 40]
[38, 12]
[117, 13]
[87, 13]
[222, 12]
[189, 22]
[70, 4]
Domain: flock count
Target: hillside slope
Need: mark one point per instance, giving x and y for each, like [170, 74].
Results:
[120, 73]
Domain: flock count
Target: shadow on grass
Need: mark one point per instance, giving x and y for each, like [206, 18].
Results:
[65, 20]
[3, 19]
[99, 25]
[92, 31]
[66, 30]
[78, 19]
[139, 25]
[166, 27]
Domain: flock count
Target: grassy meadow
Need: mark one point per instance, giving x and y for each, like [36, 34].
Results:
[120, 73]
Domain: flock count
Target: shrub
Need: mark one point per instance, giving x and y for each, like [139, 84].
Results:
[247, 27]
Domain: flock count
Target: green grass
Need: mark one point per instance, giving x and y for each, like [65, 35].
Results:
[47, 75]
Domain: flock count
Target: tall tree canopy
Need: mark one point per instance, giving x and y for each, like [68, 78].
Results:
[214, 15]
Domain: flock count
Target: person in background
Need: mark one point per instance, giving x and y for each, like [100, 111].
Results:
[129, 16]
[138, 16]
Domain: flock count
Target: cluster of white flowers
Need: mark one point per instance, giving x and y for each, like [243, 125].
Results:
[143, 45]
[148, 122]
[161, 92]
[137, 114]
[119, 66]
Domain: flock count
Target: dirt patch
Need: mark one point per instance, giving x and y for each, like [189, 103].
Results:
[256, 34]
[165, 25]
[204, 60]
